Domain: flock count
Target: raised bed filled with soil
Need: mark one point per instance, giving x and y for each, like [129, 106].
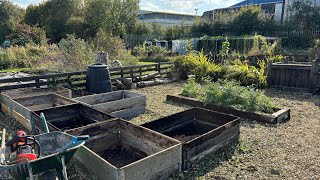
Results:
[121, 104]
[68, 117]
[22, 108]
[200, 131]
[280, 116]
[121, 150]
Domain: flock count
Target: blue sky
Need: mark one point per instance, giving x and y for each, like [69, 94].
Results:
[178, 6]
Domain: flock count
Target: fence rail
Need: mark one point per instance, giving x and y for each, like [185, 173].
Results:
[78, 79]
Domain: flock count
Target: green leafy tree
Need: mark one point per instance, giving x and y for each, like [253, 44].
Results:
[54, 15]
[113, 16]
[306, 15]
[10, 16]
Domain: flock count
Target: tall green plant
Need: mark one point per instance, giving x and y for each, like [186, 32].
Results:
[191, 89]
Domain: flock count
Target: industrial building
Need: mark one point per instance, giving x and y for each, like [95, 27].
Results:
[165, 18]
[278, 9]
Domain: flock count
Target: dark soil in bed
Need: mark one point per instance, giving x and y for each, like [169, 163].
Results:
[120, 156]
[189, 131]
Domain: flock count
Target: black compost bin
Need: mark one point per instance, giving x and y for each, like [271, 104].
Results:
[98, 79]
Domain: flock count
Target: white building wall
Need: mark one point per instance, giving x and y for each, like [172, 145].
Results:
[167, 22]
[278, 12]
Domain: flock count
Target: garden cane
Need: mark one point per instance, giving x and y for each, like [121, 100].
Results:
[3, 147]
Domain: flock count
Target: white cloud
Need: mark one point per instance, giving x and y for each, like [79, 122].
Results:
[185, 6]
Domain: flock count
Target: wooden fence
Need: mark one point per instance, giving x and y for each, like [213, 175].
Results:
[77, 80]
[292, 76]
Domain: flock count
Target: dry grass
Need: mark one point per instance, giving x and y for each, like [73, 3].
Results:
[287, 151]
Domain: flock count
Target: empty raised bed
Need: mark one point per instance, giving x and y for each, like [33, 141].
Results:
[279, 116]
[68, 117]
[200, 131]
[121, 150]
[22, 108]
[7, 96]
[121, 104]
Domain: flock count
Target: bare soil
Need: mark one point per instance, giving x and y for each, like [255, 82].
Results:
[287, 151]
[189, 131]
[120, 156]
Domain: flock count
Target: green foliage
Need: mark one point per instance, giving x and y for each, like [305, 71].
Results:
[128, 60]
[10, 16]
[77, 54]
[276, 58]
[24, 34]
[231, 94]
[317, 43]
[262, 47]
[112, 45]
[113, 16]
[156, 59]
[306, 15]
[196, 63]
[224, 52]
[247, 75]
[21, 56]
[191, 89]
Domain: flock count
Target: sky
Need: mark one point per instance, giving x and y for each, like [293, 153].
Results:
[176, 6]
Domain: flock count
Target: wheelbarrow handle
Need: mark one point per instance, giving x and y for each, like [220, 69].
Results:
[82, 138]
[75, 141]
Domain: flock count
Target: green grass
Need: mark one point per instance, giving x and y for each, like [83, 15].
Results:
[145, 63]
[14, 70]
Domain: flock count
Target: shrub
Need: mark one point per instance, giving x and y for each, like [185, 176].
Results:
[196, 63]
[128, 60]
[191, 89]
[77, 54]
[277, 58]
[247, 75]
[114, 46]
[28, 56]
[231, 94]
[24, 34]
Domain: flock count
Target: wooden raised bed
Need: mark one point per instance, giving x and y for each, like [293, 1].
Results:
[22, 108]
[7, 96]
[121, 104]
[68, 117]
[280, 116]
[200, 131]
[121, 150]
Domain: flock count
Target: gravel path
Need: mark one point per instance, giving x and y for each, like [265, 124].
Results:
[287, 151]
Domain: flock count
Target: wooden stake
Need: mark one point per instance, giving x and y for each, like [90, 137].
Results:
[3, 147]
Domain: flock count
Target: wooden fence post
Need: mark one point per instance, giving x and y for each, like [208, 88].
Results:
[269, 73]
[158, 67]
[37, 83]
[313, 75]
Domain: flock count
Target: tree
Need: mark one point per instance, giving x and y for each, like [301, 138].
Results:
[306, 15]
[10, 16]
[53, 16]
[113, 16]
[246, 22]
